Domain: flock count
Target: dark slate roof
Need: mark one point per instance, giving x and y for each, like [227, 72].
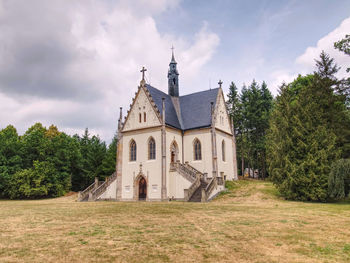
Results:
[195, 108]
[170, 113]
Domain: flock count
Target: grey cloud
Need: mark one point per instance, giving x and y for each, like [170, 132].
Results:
[38, 54]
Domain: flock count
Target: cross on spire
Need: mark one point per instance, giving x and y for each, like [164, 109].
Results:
[220, 83]
[143, 70]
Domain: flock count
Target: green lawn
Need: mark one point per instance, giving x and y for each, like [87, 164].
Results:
[249, 223]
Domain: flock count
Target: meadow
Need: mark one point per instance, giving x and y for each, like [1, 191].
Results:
[249, 223]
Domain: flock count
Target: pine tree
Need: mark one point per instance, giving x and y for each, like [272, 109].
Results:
[109, 162]
[305, 135]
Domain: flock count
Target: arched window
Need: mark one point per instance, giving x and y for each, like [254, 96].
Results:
[223, 151]
[132, 151]
[151, 149]
[197, 149]
[144, 116]
[140, 117]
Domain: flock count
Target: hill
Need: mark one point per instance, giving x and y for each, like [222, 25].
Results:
[249, 223]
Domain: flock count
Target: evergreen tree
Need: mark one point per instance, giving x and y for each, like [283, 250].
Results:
[307, 133]
[343, 45]
[109, 162]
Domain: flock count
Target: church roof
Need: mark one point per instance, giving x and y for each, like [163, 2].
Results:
[195, 108]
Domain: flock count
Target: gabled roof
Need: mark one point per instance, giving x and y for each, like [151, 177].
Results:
[195, 108]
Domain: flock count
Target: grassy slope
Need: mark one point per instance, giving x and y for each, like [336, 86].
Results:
[250, 223]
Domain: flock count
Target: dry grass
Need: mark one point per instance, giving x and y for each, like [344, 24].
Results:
[247, 224]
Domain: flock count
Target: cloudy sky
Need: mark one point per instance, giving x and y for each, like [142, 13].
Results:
[74, 63]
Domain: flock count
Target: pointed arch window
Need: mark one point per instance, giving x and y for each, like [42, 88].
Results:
[132, 157]
[151, 149]
[223, 151]
[144, 117]
[197, 149]
[140, 117]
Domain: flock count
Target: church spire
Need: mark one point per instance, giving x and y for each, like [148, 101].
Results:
[173, 77]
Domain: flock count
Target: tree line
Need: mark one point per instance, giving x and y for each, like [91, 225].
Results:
[300, 140]
[49, 163]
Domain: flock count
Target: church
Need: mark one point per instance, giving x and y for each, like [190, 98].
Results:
[171, 147]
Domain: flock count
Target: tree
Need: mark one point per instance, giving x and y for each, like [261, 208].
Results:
[254, 108]
[308, 132]
[10, 157]
[93, 152]
[343, 45]
[33, 143]
[37, 182]
[109, 162]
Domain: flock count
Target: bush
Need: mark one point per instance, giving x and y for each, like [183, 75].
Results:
[339, 180]
[37, 182]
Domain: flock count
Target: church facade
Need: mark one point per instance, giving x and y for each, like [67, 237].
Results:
[171, 146]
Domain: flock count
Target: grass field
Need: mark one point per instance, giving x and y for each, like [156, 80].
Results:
[250, 223]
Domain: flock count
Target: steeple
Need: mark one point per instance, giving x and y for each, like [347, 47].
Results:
[173, 77]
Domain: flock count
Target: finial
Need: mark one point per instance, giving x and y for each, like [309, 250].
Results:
[220, 83]
[172, 53]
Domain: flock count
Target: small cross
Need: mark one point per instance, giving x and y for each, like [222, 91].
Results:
[220, 83]
[172, 48]
[143, 70]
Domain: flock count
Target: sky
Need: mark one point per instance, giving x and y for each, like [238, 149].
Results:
[73, 63]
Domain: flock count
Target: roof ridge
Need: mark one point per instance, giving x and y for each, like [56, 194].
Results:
[199, 92]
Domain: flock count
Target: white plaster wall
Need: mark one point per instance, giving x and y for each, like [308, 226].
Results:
[177, 185]
[225, 167]
[206, 164]
[142, 105]
[222, 118]
[150, 168]
[111, 191]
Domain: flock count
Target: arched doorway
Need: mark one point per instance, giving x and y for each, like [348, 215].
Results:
[142, 189]
[174, 152]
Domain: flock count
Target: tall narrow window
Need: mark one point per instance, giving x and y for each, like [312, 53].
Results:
[197, 150]
[132, 151]
[223, 151]
[151, 149]
[144, 116]
[140, 118]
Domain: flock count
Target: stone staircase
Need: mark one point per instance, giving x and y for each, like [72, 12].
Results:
[202, 186]
[197, 195]
[96, 189]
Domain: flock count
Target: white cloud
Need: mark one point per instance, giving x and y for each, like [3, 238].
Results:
[307, 60]
[305, 63]
[278, 77]
[74, 63]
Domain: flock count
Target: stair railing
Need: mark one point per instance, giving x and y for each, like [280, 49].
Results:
[209, 189]
[97, 192]
[190, 191]
[83, 194]
[185, 170]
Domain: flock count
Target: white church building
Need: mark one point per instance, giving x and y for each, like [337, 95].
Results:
[171, 147]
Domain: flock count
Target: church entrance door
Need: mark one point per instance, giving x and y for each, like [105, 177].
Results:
[142, 189]
[172, 156]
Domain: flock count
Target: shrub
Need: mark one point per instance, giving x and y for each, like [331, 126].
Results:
[339, 179]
